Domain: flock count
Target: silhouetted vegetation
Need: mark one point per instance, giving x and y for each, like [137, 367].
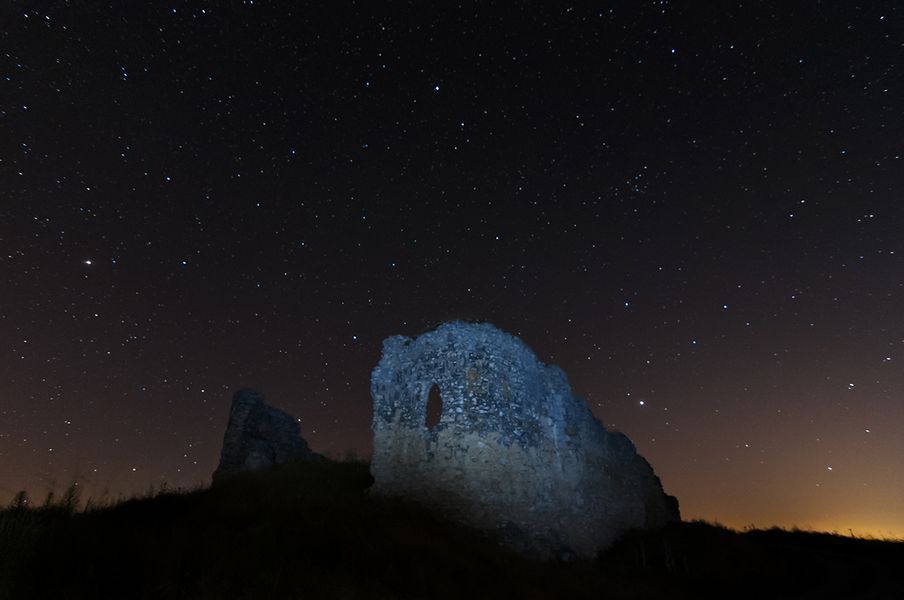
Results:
[311, 530]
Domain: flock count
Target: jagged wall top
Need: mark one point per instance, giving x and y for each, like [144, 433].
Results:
[506, 390]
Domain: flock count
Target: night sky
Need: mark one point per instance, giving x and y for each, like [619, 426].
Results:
[693, 208]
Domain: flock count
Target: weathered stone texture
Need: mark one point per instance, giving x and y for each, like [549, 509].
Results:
[258, 437]
[514, 449]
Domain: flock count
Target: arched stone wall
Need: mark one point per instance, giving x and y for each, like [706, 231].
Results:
[514, 450]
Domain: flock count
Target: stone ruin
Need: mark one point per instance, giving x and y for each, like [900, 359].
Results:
[513, 450]
[258, 437]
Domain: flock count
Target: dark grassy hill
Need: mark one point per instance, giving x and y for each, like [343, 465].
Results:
[312, 531]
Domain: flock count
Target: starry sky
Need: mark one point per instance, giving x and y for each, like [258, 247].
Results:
[693, 208]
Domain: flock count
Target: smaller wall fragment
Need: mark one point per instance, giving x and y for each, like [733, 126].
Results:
[258, 437]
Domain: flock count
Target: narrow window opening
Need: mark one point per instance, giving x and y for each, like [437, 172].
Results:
[434, 407]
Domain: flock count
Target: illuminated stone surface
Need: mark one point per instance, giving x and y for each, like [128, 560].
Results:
[513, 451]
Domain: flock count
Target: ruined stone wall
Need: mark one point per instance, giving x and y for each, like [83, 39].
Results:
[258, 437]
[514, 450]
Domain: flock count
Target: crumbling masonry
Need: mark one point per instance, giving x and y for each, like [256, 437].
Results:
[513, 450]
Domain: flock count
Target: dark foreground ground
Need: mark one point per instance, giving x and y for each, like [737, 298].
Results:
[312, 531]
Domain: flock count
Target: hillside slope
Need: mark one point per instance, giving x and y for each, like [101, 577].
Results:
[311, 530]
